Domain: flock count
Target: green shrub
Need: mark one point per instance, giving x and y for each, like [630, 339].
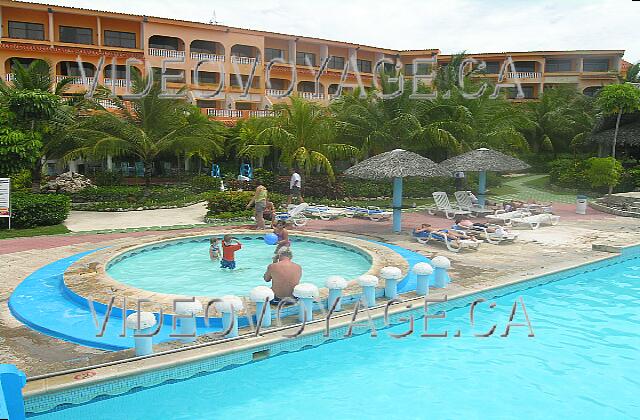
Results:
[235, 202]
[630, 180]
[603, 172]
[108, 178]
[265, 177]
[31, 210]
[569, 173]
[245, 214]
[203, 183]
[21, 181]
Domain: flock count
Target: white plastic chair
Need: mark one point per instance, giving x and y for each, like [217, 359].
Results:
[444, 205]
[463, 198]
[453, 246]
[506, 217]
[373, 213]
[295, 215]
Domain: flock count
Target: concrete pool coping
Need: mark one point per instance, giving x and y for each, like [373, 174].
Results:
[89, 377]
[88, 278]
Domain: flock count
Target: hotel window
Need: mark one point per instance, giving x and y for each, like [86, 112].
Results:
[120, 72]
[72, 69]
[26, 30]
[556, 66]
[595, 64]
[525, 66]
[364, 66]
[205, 77]
[157, 75]
[422, 69]
[527, 90]
[493, 67]
[336, 62]
[389, 68]
[120, 39]
[304, 58]
[76, 35]
[271, 53]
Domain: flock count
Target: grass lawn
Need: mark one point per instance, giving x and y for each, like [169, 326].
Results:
[36, 231]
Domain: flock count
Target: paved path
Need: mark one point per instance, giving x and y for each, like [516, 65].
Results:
[525, 193]
[79, 221]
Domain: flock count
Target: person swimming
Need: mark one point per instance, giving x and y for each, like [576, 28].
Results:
[229, 247]
[214, 249]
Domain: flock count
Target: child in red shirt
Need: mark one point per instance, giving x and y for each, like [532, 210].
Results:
[229, 247]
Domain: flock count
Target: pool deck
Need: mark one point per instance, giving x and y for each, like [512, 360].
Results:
[536, 252]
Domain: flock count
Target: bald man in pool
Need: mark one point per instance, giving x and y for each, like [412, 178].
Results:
[284, 275]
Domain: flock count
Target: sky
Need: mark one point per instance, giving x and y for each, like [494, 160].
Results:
[453, 26]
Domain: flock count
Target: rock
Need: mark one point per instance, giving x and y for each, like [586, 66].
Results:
[68, 182]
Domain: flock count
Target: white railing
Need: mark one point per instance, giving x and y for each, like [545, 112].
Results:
[524, 75]
[206, 56]
[311, 95]
[275, 92]
[263, 113]
[159, 52]
[226, 113]
[107, 103]
[76, 80]
[115, 82]
[242, 60]
[8, 77]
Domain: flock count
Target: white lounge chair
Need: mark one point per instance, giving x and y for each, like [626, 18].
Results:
[463, 198]
[505, 217]
[294, 215]
[372, 213]
[453, 246]
[536, 220]
[443, 205]
[498, 234]
[325, 212]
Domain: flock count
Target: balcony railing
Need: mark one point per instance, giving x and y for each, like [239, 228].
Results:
[263, 113]
[115, 82]
[311, 95]
[524, 75]
[275, 92]
[226, 113]
[160, 52]
[206, 56]
[243, 60]
[75, 80]
[8, 77]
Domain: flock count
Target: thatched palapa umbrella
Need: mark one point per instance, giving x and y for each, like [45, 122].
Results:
[483, 160]
[396, 164]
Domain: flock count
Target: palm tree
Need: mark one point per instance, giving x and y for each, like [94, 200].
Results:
[35, 101]
[304, 135]
[147, 127]
[559, 116]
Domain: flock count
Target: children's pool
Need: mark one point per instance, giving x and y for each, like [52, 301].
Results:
[583, 363]
[184, 267]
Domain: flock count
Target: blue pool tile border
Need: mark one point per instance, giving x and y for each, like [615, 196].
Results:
[58, 400]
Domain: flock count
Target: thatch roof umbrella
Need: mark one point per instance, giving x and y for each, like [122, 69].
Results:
[483, 160]
[396, 164]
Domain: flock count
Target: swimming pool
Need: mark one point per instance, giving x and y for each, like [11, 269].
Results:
[582, 363]
[184, 268]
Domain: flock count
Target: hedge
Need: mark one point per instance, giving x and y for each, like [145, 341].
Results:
[235, 202]
[31, 210]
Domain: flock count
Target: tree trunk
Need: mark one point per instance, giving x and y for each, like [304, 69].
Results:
[36, 177]
[615, 135]
[148, 173]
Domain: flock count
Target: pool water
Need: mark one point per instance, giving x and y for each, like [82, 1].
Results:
[184, 268]
[584, 362]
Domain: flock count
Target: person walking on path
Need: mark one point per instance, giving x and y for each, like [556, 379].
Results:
[259, 203]
[295, 187]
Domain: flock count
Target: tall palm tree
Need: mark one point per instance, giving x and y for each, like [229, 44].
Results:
[147, 127]
[304, 135]
[35, 101]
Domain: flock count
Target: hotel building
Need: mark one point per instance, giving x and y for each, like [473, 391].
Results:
[62, 34]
